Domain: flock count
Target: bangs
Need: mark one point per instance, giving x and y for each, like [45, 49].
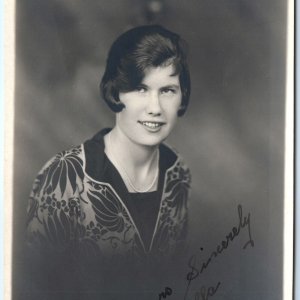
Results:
[137, 50]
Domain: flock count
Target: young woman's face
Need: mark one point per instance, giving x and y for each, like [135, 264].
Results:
[150, 111]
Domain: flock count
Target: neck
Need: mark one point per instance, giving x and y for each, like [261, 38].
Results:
[137, 164]
[132, 154]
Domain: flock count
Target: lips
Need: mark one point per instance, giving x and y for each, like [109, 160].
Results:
[150, 125]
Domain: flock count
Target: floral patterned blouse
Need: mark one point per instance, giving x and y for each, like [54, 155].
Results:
[77, 207]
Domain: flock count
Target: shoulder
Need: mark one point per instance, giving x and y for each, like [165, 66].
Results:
[61, 171]
[54, 198]
[176, 167]
[172, 156]
[75, 152]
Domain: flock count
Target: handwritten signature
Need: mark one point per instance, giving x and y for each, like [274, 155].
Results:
[244, 222]
[167, 292]
[206, 293]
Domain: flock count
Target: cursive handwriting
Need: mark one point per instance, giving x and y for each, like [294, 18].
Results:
[191, 275]
[244, 222]
[206, 293]
[167, 292]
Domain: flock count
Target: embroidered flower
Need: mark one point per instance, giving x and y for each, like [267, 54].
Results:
[58, 228]
[163, 238]
[109, 211]
[177, 190]
[64, 169]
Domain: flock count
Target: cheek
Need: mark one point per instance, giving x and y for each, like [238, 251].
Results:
[125, 117]
[128, 116]
[132, 105]
[173, 108]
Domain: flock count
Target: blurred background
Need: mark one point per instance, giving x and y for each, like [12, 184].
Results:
[232, 135]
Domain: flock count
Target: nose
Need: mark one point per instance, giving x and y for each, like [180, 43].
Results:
[153, 105]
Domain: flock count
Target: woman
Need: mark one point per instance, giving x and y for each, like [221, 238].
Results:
[122, 194]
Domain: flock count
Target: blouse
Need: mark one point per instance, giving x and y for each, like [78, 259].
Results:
[79, 205]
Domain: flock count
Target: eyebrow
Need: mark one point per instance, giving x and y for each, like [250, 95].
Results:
[176, 86]
[168, 86]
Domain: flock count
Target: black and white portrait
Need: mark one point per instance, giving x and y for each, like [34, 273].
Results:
[149, 144]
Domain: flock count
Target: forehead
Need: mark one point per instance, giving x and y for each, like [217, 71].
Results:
[161, 74]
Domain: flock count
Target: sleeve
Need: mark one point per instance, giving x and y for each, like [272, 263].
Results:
[184, 194]
[53, 207]
[177, 193]
[52, 214]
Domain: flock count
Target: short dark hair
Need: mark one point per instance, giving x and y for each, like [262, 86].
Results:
[136, 50]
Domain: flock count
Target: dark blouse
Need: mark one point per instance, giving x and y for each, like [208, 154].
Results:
[143, 207]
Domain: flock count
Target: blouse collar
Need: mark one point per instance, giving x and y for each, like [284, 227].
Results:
[95, 156]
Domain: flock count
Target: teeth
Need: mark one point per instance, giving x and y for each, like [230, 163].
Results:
[151, 125]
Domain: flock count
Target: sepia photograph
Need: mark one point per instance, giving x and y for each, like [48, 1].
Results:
[150, 156]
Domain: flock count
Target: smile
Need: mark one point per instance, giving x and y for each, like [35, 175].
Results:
[152, 125]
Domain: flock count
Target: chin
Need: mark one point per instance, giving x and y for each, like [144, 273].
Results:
[152, 141]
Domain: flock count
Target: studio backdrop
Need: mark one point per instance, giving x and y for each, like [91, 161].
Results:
[232, 136]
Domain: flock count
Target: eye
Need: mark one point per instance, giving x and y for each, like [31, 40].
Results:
[168, 91]
[141, 89]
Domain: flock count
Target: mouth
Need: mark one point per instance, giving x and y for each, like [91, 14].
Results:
[153, 126]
